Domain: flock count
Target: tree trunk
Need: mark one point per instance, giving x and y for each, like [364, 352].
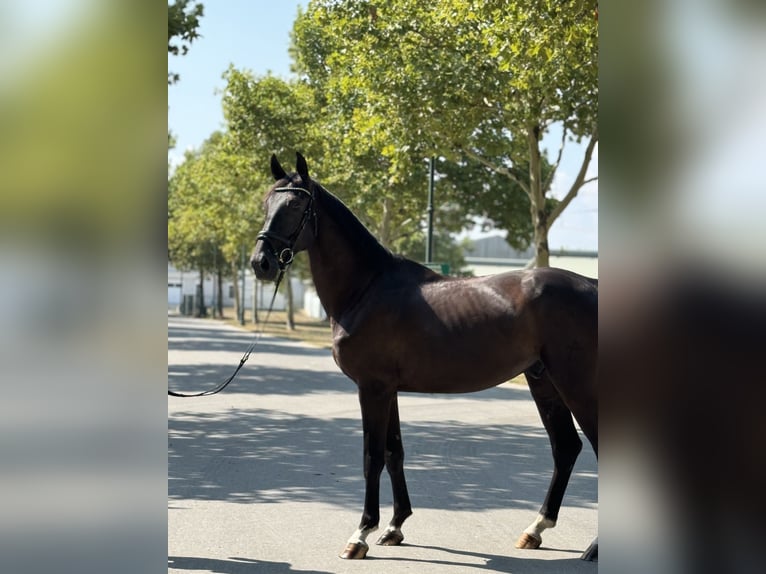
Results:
[537, 198]
[384, 229]
[219, 301]
[238, 298]
[542, 253]
[214, 288]
[290, 318]
[201, 310]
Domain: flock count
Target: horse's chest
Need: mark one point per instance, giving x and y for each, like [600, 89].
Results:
[364, 356]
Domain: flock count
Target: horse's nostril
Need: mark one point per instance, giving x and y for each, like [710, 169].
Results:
[264, 264]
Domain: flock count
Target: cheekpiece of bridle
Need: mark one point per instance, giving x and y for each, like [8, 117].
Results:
[286, 255]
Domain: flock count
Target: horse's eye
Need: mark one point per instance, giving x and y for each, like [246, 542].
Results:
[293, 204]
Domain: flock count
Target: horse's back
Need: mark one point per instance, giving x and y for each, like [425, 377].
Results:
[493, 305]
[514, 290]
[542, 278]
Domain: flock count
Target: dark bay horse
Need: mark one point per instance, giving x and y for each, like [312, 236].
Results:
[398, 326]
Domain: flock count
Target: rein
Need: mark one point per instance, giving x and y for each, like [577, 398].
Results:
[222, 385]
[284, 259]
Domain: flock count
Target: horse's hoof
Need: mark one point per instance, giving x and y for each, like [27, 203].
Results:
[355, 551]
[391, 538]
[529, 541]
[591, 554]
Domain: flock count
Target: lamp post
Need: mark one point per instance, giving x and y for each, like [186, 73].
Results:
[430, 236]
[242, 295]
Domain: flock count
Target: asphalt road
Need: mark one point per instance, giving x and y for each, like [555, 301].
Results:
[266, 477]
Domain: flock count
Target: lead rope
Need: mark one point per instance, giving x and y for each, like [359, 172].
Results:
[246, 356]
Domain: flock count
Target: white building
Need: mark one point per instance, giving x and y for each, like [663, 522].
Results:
[491, 255]
[185, 283]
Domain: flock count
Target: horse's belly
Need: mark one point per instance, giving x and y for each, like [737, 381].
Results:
[438, 354]
[454, 372]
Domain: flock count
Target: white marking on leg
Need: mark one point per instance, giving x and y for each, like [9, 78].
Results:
[360, 536]
[536, 528]
[391, 528]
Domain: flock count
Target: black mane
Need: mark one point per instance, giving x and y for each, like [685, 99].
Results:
[350, 227]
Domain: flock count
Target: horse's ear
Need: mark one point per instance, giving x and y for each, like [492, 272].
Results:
[302, 168]
[276, 169]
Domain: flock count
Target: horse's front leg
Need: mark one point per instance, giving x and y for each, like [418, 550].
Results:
[376, 405]
[395, 467]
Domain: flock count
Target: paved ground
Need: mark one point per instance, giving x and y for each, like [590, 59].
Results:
[266, 477]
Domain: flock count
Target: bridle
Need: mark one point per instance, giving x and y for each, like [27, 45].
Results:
[287, 254]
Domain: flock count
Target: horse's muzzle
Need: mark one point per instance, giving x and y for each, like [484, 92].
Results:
[264, 263]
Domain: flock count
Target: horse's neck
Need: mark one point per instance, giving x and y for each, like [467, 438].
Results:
[345, 257]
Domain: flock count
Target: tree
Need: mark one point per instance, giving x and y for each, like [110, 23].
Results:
[189, 246]
[482, 80]
[212, 214]
[475, 189]
[183, 22]
[382, 178]
[446, 250]
[268, 115]
[370, 159]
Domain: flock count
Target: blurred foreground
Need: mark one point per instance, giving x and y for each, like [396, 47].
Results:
[82, 259]
[682, 290]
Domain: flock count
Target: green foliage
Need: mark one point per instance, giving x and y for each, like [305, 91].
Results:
[211, 212]
[268, 115]
[407, 79]
[449, 66]
[470, 187]
[446, 250]
[380, 88]
[183, 22]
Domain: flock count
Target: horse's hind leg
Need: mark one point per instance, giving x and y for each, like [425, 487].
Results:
[395, 466]
[565, 444]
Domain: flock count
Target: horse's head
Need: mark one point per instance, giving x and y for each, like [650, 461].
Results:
[290, 224]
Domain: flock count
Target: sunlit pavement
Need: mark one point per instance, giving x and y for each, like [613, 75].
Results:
[267, 475]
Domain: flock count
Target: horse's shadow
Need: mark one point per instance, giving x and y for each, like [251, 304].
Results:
[497, 563]
[234, 565]
[465, 560]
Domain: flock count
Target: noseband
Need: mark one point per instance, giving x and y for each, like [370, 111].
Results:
[287, 254]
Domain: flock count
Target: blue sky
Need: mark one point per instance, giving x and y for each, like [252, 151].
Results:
[251, 34]
[255, 35]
